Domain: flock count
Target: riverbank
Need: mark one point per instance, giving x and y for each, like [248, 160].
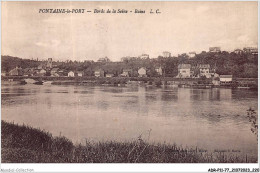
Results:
[24, 144]
[246, 83]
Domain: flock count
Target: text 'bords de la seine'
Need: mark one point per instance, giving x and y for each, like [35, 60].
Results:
[151, 11]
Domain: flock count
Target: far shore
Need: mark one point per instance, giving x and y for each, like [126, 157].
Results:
[244, 83]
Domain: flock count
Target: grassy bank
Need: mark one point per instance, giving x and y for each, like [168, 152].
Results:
[23, 144]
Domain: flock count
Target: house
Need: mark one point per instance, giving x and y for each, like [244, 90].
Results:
[192, 54]
[142, 72]
[166, 54]
[49, 63]
[38, 72]
[71, 74]
[61, 72]
[99, 73]
[106, 59]
[54, 71]
[214, 49]
[225, 79]
[126, 73]
[238, 51]
[159, 70]
[41, 66]
[215, 82]
[80, 73]
[28, 72]
[204, 70]
[42, 72]
[109, 75]
[216, 79]
[17, 71]
[252, 50]
[144, 56]
[184, 71]
[56, 75]
[3, 73]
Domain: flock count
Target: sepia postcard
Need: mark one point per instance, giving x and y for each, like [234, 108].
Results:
[129, 82]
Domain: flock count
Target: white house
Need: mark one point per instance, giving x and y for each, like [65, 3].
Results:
[238, 51]
[214, 49]
[205, 70]
[71, 74]
[184, 70]
[3, 73]
[49, 63]
[42, 72]
[126, 73]
[192, 54]
[109, 75]
[142, 72]
[159, 70]
[99, 73]
[144, 56]
[80, 73]
[253, 50]
[166, 54]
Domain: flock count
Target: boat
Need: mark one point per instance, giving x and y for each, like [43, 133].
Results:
[23, 82]
[30, 81]
[243, 87]
[38, 83]
[47, 82]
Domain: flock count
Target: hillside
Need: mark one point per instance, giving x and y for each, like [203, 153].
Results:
[243, 65]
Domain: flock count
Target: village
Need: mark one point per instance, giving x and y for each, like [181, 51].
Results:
[197, 73]
[86, 85]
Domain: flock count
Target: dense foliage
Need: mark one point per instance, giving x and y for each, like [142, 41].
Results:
[239, 65]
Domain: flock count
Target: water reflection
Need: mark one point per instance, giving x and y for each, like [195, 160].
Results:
[206, 118]
[169, 95]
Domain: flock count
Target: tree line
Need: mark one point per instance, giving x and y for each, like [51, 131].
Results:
[243, 65]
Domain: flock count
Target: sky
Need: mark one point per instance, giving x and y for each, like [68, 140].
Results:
[181, 27]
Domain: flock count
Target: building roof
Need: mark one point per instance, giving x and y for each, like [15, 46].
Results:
[18, 70]
[55, 69]
[142, 68]
[204, 66]
[214, 48]
[251, 49]
[225, 76]
[127, 70]
[27, 69]
[184, 66]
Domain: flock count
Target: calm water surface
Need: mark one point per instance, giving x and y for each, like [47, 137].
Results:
[205, 118]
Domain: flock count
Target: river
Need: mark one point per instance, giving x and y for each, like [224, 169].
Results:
[212, 119]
